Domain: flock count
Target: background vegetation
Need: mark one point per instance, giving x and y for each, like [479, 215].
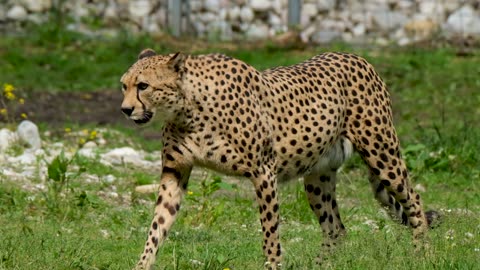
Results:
[71, 225]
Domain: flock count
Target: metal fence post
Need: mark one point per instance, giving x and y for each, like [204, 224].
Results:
[175, 17]
[294, 9]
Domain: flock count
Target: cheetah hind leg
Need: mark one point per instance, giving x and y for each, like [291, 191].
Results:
[320, 187]
[393, 206]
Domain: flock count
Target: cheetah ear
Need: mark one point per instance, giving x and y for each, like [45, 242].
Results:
[176, 62]
[146, 53]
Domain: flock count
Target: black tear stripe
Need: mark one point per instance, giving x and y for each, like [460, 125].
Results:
[173, 171]
[139, 100]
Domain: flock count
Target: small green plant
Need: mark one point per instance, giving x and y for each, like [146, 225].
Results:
[208, 211]
[57, 181]
[419, 158]
[59, 192]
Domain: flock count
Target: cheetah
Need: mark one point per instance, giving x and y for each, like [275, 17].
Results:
[303, 120]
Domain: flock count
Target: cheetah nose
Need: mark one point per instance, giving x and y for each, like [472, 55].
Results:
[127, 110]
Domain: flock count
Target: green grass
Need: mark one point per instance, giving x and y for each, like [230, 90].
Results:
[436, 100]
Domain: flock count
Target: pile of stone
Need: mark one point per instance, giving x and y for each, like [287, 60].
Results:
[321, 21]
[24, 156]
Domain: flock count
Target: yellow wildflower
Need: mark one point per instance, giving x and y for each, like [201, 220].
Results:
[85, 131]
[8, 88]
[81, 141]
[93, 135]
[190, 192]
[23, 115]
[9, 95]
[68, 130]
[3, 111]
[21, 101]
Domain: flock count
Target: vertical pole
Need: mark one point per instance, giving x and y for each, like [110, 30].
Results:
[175, 17]
[294, 9]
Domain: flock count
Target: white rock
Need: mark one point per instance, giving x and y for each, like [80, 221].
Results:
[309, 10]
[463, 21]
[17, 13]
[381, 41]
[258, 31]
[329, 24]
[347, 37]
[451, 6]
[403, 41]
[372, 224]
[246, 14]
[307, 33]
[25, 158]
[36, 18]
[90, 144]
[207, 17]
[274, 20]
[9, 174]
[101, 141]
[279, 7]
[325, 5]
[325, 36]
[87, 152]
[147, 188]
[358, 17]
[212, 5]
[220, 29]
[153, 28]
[243, 27]
[388, 20]
[7, 138]
[111, 12]
[359, 30]
[222, 15]
[199, 27]
[39, 152]
[234, 13]
[305, 21]
[195, 5]
[112, 194]
[57, 145]
[420, 188]
[29, 171]
[430, 7]
[109, 178]
[79, 10]
[27, 131]
[122, 155]
[37, 5]
[139, 8]
[260, 5]
[405, 4]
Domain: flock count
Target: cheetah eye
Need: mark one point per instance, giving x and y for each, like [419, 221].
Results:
[124, 87]
[142, 86]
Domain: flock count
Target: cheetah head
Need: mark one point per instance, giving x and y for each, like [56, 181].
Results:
[151, 86]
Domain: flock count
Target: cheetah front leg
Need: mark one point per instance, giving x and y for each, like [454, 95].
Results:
[267, 199]
[173, 185]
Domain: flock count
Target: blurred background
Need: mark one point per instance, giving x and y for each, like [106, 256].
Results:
[70, 162]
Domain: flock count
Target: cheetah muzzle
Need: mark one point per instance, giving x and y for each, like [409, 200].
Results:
[282, 123]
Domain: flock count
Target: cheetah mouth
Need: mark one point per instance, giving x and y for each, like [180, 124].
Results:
[146, 117]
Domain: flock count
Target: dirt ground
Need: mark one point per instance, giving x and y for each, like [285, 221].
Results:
[57, 109]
